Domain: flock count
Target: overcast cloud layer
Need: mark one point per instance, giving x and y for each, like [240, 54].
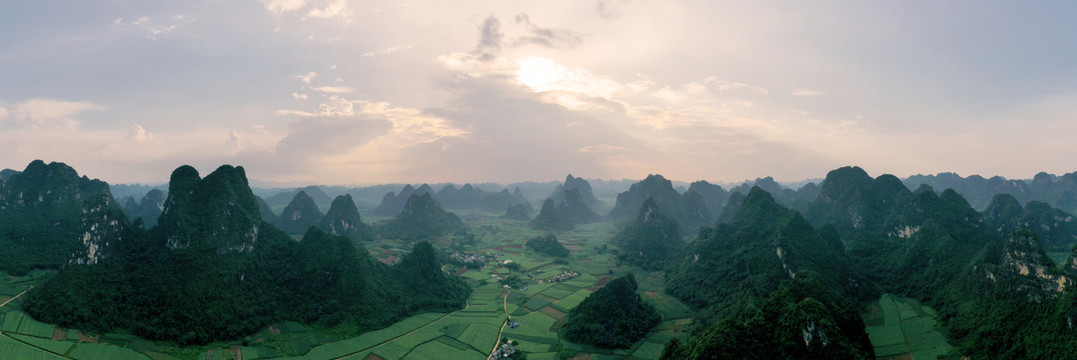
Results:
[359, 92]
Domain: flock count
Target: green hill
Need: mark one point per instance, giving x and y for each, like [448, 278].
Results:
[300, 214]
[689, 209]
[40, 210]
[421, 218]
[212, 271]
[343, 219]
[650, 240]
[613, 317]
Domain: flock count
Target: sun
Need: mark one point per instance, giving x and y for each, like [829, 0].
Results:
[540, 74]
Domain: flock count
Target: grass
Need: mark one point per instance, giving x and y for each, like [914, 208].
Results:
[91, 351]
[12, 320]
[444, 348]
[29, 326]
[53, 346]
[13, 349]
[900, 326]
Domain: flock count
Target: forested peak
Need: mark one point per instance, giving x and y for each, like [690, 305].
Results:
[54, 177]
[38, 168]
[547, 205]
[840, 180]
[1003, 207]
[888, 184]
[1023, 241]
[153, 196]
[407, 188]
[302, 199]
[421, 261]
[732, 206]
[625, 286]
[418, 202]
[421, 218]
[612, 317]
[579, 184]
[183, 179]
[759, 205]
[952, 197]
[703, 184]
[1042, 178]
[424, 188]
[218, 211]
[6, 174]
[343, 205]
[649, 240]
[1038, 207]
[343, 219]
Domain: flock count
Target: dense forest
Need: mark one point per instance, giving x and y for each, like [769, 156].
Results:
[214, 270]
[773, 275]
[615, 316]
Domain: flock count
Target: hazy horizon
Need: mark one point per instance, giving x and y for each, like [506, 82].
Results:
[339, 92]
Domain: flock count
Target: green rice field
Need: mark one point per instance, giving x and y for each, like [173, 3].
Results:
[900, 327]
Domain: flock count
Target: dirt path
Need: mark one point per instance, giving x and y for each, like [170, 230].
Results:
[505, 303]
[16, 296]
[467, 304]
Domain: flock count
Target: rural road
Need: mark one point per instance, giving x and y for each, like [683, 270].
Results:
[505, 303]
[16, 296]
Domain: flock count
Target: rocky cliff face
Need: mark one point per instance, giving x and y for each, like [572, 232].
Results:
[103, 226]
[40, 210]
[1023, 257]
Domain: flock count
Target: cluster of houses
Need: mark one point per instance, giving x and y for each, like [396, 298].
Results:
[561, 277]
[505, 351]
[477, 259]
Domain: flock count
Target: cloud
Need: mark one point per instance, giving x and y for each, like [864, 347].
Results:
[299, 96]
[805, 92]
[600, 148]
[332, 9]
[138, 134]
[46, 113]
[284, 112]
[336, 106]
[282, 6]
[306, 78]
[490, 36]
[334, 89]
[606, 9]
[551, 38]
[388, 50]
[151, 29]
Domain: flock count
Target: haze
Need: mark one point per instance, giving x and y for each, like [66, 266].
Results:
[355, 92]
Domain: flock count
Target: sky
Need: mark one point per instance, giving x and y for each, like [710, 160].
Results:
[343, 92]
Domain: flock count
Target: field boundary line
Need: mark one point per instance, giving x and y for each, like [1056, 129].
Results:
[467, 303]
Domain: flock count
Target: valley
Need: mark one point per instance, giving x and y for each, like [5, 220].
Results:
[469, 333]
